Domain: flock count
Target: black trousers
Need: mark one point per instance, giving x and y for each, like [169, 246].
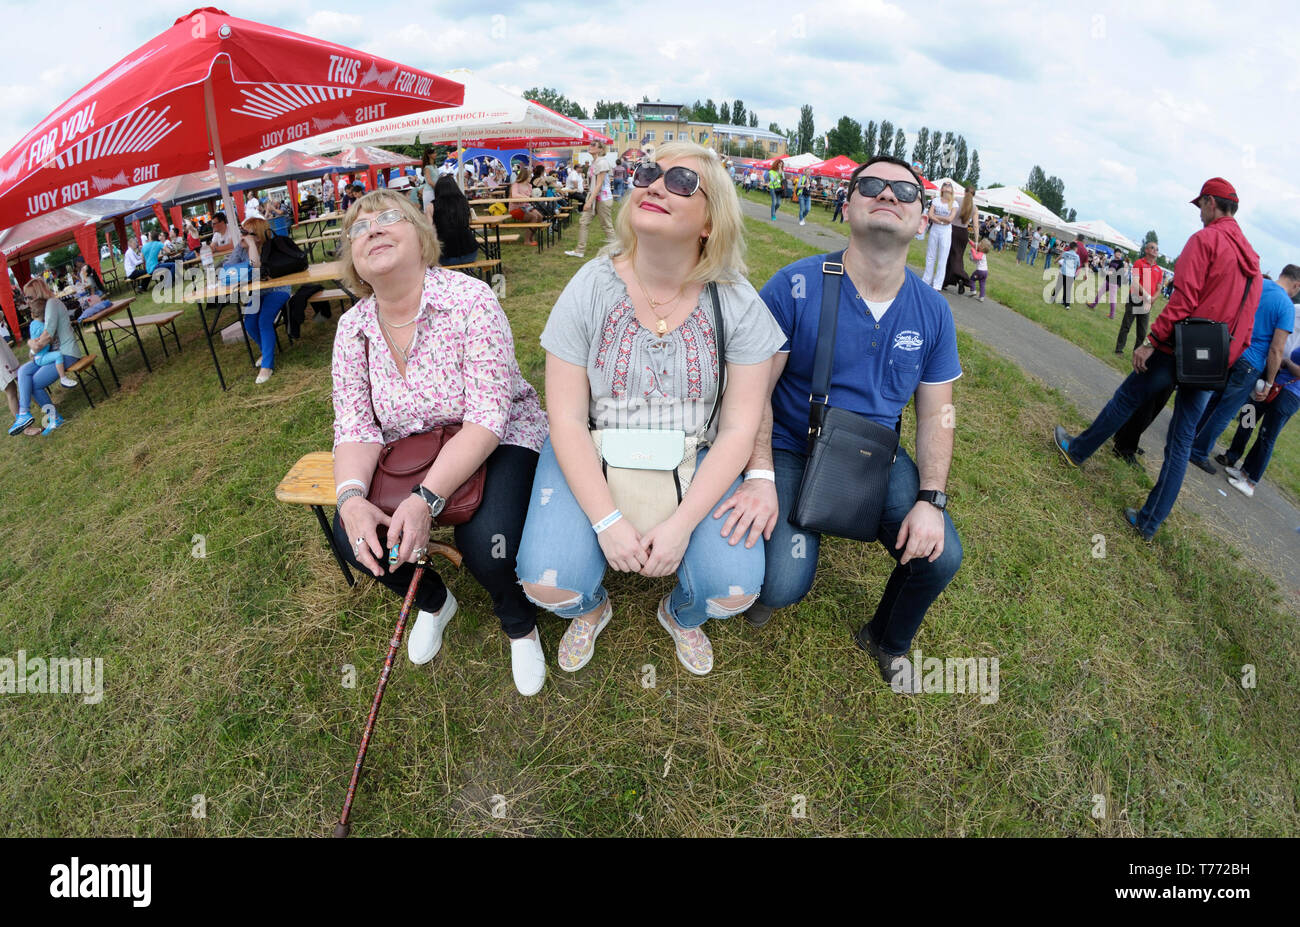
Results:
[489, 542]
[1127, 438]
[1129, 318]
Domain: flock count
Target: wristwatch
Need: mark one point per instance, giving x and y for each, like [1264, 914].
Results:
[936, 497]
[435, 501]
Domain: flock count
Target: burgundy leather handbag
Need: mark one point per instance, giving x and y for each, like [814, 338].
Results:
[406, 461]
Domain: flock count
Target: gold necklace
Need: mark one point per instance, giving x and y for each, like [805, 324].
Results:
[662, 328]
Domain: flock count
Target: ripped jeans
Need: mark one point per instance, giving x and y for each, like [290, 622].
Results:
[560, 549]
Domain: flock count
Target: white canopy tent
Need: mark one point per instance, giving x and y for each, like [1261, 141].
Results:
[488, 113]
[801, 161]
[1103, 231]
[1015, 201]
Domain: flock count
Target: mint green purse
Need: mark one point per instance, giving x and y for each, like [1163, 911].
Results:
[649, 470]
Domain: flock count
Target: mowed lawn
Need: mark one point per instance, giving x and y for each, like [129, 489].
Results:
[1027, 290]
[1121, 709]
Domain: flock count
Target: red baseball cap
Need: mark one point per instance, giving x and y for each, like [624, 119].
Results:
[1217, 186]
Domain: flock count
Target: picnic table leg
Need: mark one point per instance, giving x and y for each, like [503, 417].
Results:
[329, 539]
[103, 349]
[81, 335]
[161, 341]
[207, 333]
[135, 331]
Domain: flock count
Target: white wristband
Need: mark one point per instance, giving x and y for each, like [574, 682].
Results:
[608, 521]
[346, 483]
[761, 475]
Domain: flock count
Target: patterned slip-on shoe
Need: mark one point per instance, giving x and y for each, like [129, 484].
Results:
[578, 644]
[694, 650]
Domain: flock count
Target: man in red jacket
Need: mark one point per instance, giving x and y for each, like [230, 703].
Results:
[1217, 278]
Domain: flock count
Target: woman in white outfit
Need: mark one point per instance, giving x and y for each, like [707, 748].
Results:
[941, 214]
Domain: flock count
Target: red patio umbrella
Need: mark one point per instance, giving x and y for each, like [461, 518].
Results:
[212, 86]
[840, 167]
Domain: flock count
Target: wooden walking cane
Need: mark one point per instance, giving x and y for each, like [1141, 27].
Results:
[343, 828]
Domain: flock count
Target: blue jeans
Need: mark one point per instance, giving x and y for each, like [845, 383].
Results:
[559, 548]
[261, 324]
[912, 587]
[1047, 261]
[469, 258]
[1224, 408]
[776, 201]
[805, 205]
[1136, 389]
[32, 380]
[1271, 422]
[1033, 256]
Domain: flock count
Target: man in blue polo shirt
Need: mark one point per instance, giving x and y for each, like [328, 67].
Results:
[1274, 320]
[895, 339]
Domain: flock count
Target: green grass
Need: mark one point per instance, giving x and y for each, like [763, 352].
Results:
[1027, 290]
[1120, 676]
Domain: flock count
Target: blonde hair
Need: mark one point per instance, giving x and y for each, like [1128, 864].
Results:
[38, 288]
[722, 253]
[378, 201]
[986, 245]
[968, 211]
[951, 195]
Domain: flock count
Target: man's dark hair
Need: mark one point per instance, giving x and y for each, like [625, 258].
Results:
[1227, 206]
[1291, 271]
[1078, 237]
[219, 217]
[887, 159]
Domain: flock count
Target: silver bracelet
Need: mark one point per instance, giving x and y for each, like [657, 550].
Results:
[346, 495]
[360, 484]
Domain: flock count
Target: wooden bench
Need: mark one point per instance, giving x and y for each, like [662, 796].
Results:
[83, 364]
[160, 321]
[330, 296]
[478, 269]
[311, 482]
[540, 227]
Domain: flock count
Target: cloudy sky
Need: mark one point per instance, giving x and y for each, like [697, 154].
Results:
[1133, 105]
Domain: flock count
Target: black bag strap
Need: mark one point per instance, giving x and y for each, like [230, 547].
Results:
[824, 359]
[1232, 333]
[720, 336]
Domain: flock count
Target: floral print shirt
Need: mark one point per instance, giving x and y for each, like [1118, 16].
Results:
[461, 367]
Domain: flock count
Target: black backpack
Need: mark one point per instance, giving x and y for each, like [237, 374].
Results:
[281, 256]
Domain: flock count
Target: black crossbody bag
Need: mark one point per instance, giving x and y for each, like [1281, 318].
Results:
[1201, 349]
[846, 478]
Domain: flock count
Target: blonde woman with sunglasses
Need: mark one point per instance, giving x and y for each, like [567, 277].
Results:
[632, 350]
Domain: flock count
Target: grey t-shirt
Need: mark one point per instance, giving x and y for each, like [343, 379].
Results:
[639, 380]
[57, 323]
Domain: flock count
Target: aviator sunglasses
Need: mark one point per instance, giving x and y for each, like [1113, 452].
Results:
[681, 181]
[904, 190]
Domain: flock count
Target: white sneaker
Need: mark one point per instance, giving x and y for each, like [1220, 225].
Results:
[576, 254]
[1243, 486]
[67, 381]
[425, 639]
[528, 664]
[263, 375]
[1234, 473]
[258, 362]
[801, 222]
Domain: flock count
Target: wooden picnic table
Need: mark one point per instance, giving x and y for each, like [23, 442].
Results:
[331, 235]
[517, 199]
[218, 296]
[121, 305]
[315, 227]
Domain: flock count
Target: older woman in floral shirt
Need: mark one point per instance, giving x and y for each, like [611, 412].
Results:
[429, 347]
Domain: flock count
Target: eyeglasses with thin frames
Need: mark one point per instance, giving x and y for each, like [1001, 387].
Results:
[383, 220]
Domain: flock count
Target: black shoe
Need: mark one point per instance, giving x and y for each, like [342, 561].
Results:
[1119, 350]
[1126, 456]
[1204, 464]
[759, 615]
[898, 671]
[1224, 461]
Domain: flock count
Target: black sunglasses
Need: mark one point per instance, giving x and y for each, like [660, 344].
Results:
[681, 181]
[904, 190]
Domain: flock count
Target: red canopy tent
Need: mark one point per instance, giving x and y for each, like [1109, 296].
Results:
[373, 159]
[209, 87]
[840, 167]
[292, 166]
